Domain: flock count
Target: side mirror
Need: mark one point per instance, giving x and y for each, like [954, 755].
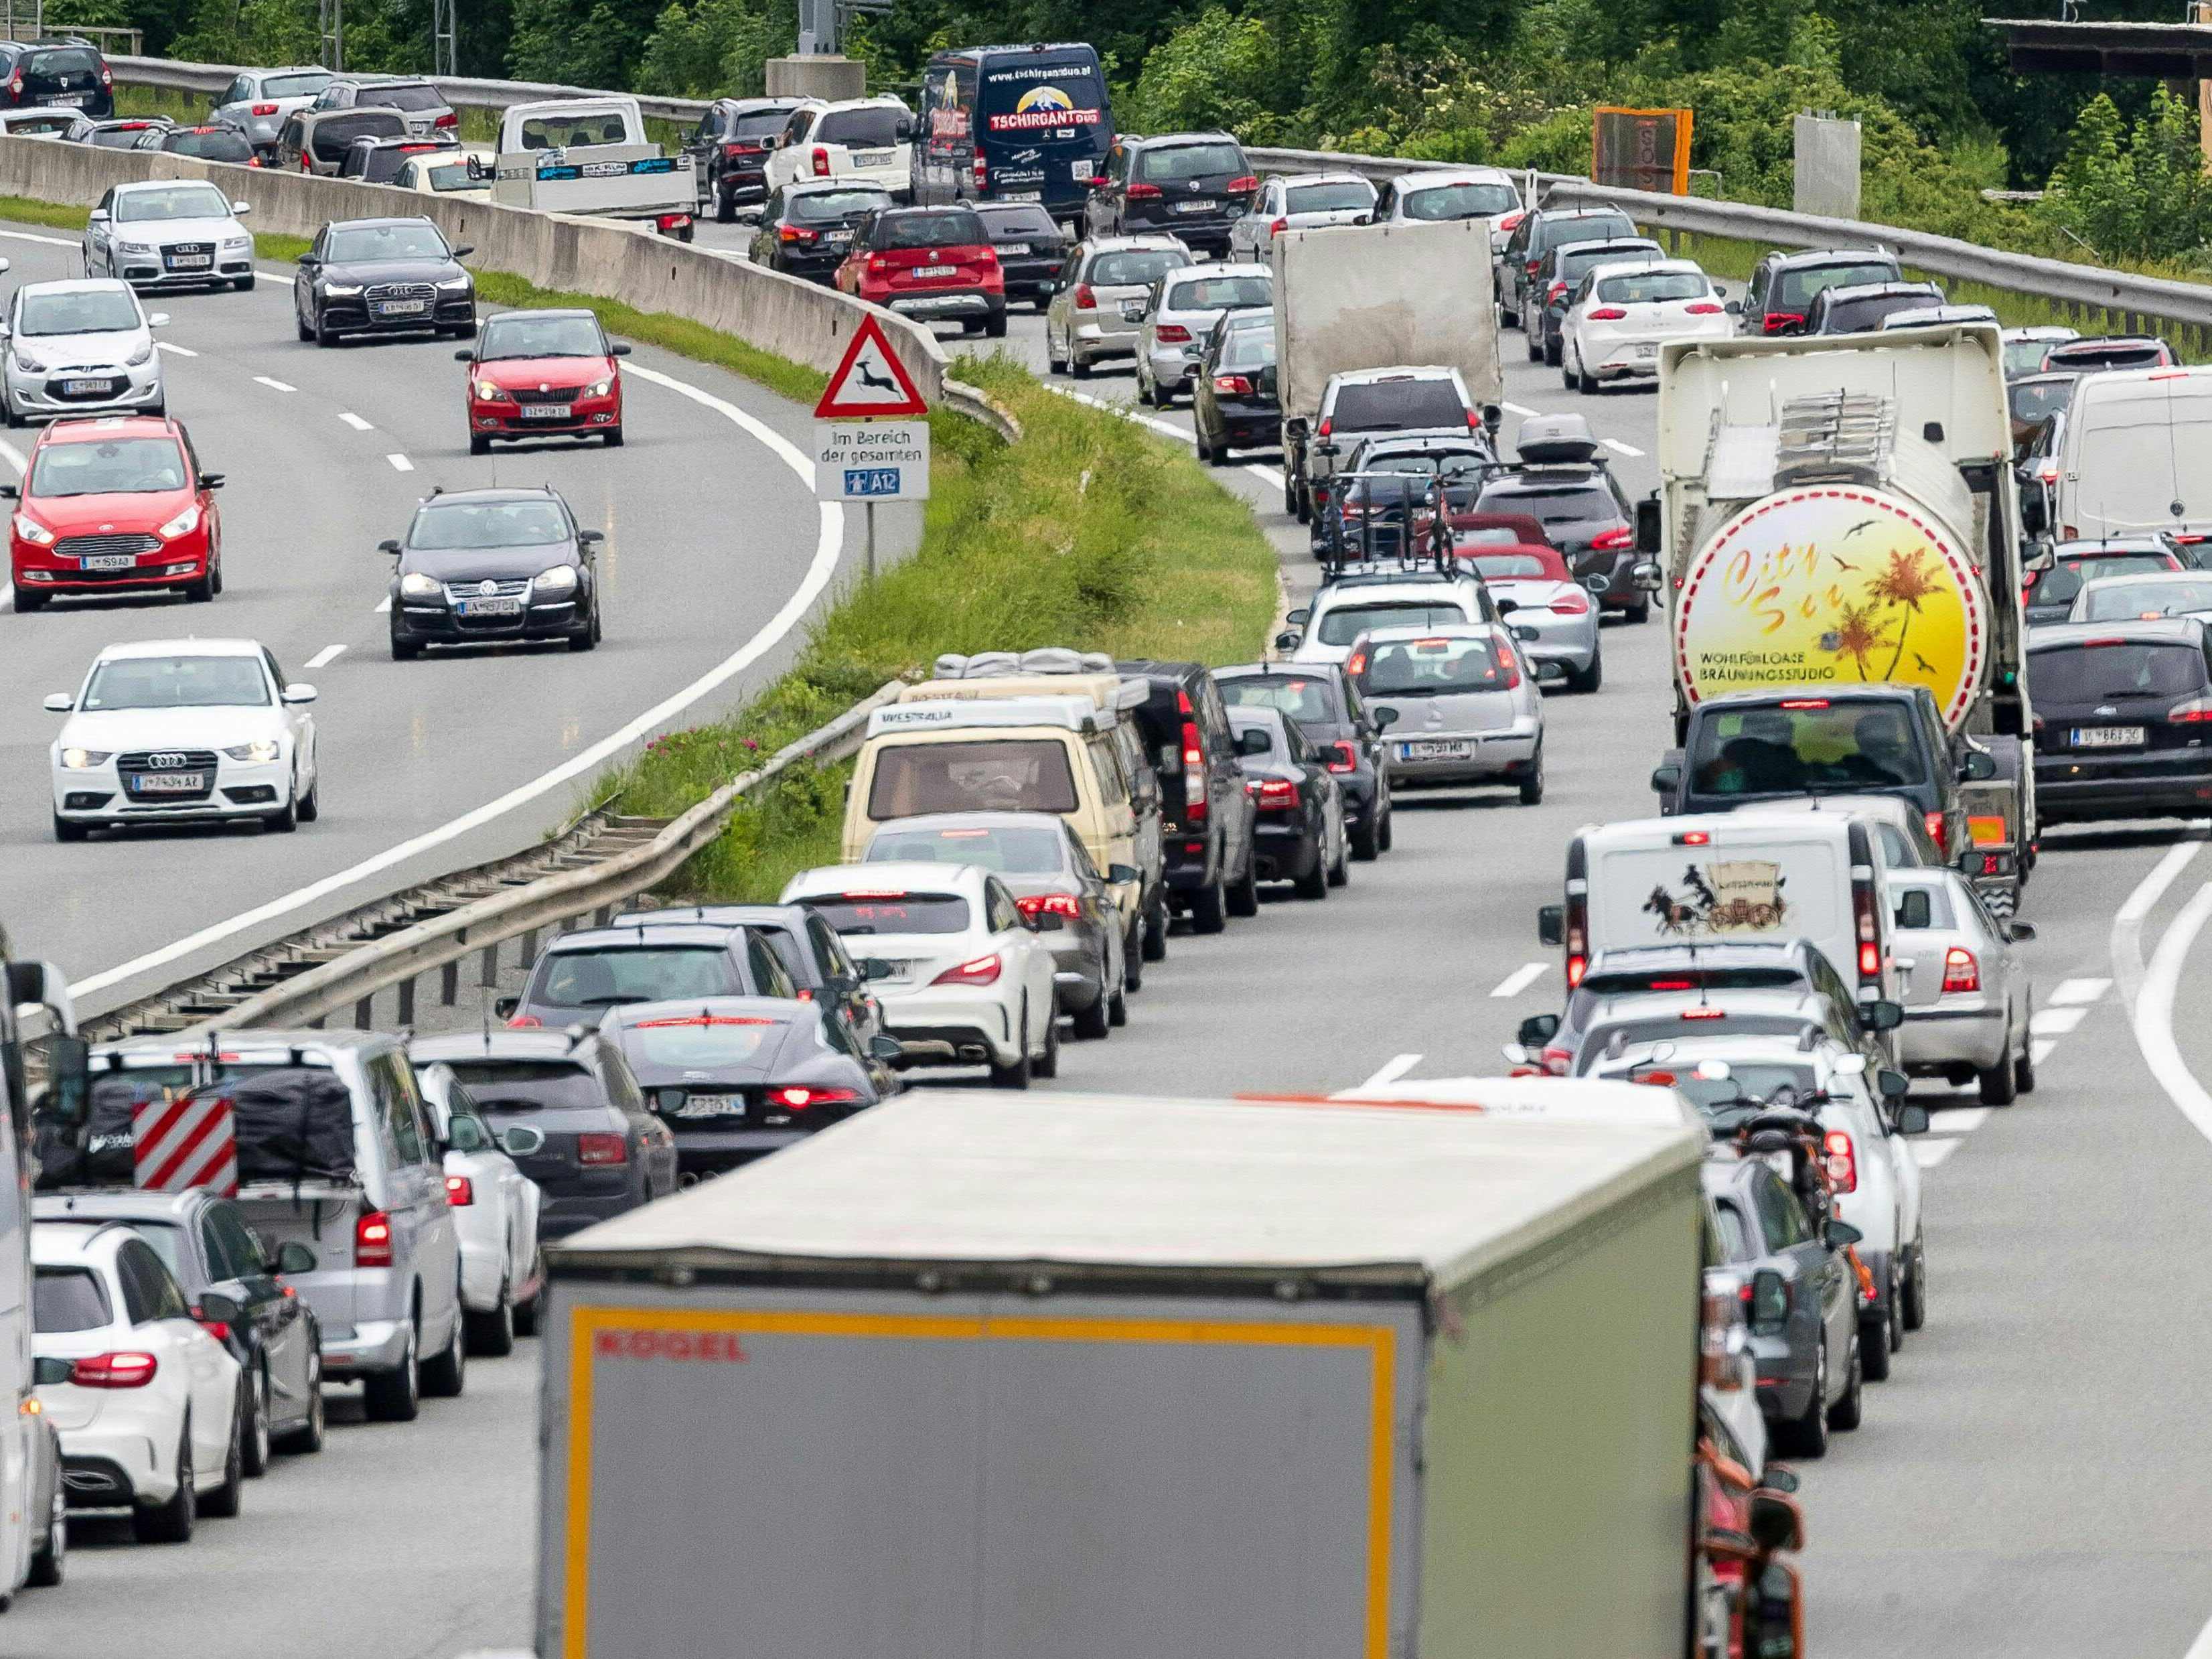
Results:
[504, 1008]
[307, 261]
[388, 546]
[1551, 924]
[157, 319]
[874, 968]
[241, 209]
[2019, 932]
[1648, 524]
[1384, 718]
[295, 1258]
[68, 1078]
[462, 251]
[1537, 1029]
[1526, 631]
[1132, 310]
[1646, 577]
[1492, 417]
[885, 1048]
[902, 133]
[97, 216]
[1769, 1301]
[1667, 779]
[618, 349]
[1734, 307]
[212, 480]
[589, 537]
[1775, 1523]
[465, 355]
[1893, 1083]
[48, 1369]
[1121, 875]
[1287, 640]
[1977, 766]
[519, 1139]
[215, 1306]
[298, 692]
[1881, 1015]
[1916, 910]
[1836, 1234]
[1912, 1119]
[59, 702]
[1298, 615]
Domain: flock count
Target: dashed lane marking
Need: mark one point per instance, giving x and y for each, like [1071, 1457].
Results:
[1620, 448]
[1519, 979]
[1523, 410]
[400, 462]
[174, 350]
[383, 604]
[325, 657]
[274, 385]
[1392, 1070]
[355, 421]
[2054, 1022]
[2073, 993]
[1929, 1153]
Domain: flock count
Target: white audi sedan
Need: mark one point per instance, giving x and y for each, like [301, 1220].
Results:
[80, 347]
[1621, 315]
[198, 730]
[161, 232]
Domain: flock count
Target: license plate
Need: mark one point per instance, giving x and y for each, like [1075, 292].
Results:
[71, 99]
[546, 412]
[111, 561]
[1437, 749]
[837, 239]
[1647, 349]
[871, 158]
[2108, 736]
[191, 261]
[491, 607]
[168, 783]
[713, 1106]
[75, 388]
[1084, 171]
[1030, 195]
[1005, 248]
[934, 271]
[402, 307]
[1194, 207]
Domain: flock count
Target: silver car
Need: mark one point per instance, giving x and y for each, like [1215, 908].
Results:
[79, 348]
[1551, 613]
[1965, 993]
[257, 100]
[168, 232]
[1459, 704]
[1083, 324]
[1299, 201]
[1178, 316]
[2144, 597]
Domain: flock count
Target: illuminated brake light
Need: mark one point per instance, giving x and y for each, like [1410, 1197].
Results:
[2196, 712]
[1781, 322]
[1193, 761]
[459, 1191]
[372, 1239]
[1804, 702]
[1693, 838]
[524, 1022]
[820, 162]
[1704, 308]
[1173, 333]
[1085, 299]
[114, 1371]
[1670, 985]
[983, 970]
[1612, 541]
[1936, 830]
[1275, 795]
[1048, 904]
[601, 1146]
[1608, 314]
[1869, 961]
[1341, 757]
[1842, 1159]
[1235, 384]
[265, 109]
[1960, 971]
[797, 1097]
[1704, 1013]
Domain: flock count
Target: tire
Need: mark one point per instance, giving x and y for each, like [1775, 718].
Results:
[1303, 509]
[204, 591]
[1244, 899]
[1153, 945]
[1535, 338]
[1315, 883]
[1912, 1298]
[1849, 1409]
[530, 1316]
[303, 331]
[1054, 362]
[1365, 833]
[255, 1436]
[1588, 680]
[1016, 1076]
[725, 207]
[308, 1435]
[1091, 1023]
[1385, 836]
[27, 603]
[1640, 612]
[1161, 396]
[615, 439]
[310, 804]
[1117, 1008]
[172, 1522]
[1340, 871]
[588, 637]
[66, 830]
[1874, 1345]
[2023, 1070]
[225, 1500]
[1209, 908]
[1532, 786]
[1132, 958]
[1553, 351]
[491, 1334]
[1999, 1086]
[1567, 378]
[1808, 1436]
[405, 650]
[1586, 383]
[324, 337]
[396, 1395]
[445, 1375]
[478, 444]
[1077, 368]
[995, 325]
[283, 823]
[46, 1565]
[1048, 1063]
[245, 285]
[8, 411]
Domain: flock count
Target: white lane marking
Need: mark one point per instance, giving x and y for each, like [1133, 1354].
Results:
[1126, 414]
[829, 545]
[1272, 475]
[274, 385]
[2124, 945]
[174, 350]
[355, 421]
[1516, 408]
[2054, 1022]
[1956, 1120]
[2153, 1013]
[1394, 1068]
[2072, 991]
[1929, 1153]
[1520, 978]
[383, 604]
[2041, 1050]
[1620, 448]
[51, 241]
[325, 657]
[400, 462]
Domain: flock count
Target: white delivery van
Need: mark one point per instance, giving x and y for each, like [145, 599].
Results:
[2137, 455]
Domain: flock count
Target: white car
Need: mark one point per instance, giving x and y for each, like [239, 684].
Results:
[184, 729]
[870, 140]
[159, 232]
[1430, 194]
[80, 347]
[495, 1209]
[1176, 318]
[963, 977]
[1620, 315]
[1344, 609]
[1299, 201]
[146, 1402]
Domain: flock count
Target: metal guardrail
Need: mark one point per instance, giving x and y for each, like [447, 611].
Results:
[461, 91]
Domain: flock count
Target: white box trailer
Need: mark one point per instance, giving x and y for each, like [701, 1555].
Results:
[968, 1378]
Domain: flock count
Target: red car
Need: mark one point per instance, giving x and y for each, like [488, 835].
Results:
[536, 372]
[930, 264]
[114, 500]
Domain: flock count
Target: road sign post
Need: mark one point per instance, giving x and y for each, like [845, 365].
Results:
[871, 431]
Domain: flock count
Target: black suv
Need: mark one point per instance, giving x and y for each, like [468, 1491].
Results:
[1560, 482]
[1030, 248]
[1206, 816]
[729, 152]
[1858, 308]
[1522, 257]
[806, 230]
[68, 72]
[1191, 185]
[1321, 700]
[1782, 286]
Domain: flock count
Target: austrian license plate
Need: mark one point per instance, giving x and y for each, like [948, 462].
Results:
[110, 561]
[168, 783]
[1194, 207]
[1437, 749]
[71, 99]
[77, 388]
[1029, 195]
[712, 1106]
[934, 270]
[837, 239]
[491, 607]
[1647, 348]
[191, 261]
[1005, 248]
[546, 412]
[871, 158]
[2108, 736]
[402, 307]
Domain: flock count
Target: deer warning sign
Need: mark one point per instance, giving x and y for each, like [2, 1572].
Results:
[871, 383]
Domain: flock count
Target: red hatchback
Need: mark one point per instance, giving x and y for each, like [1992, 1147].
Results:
[930, 264]
[537, 372]
[113, 502]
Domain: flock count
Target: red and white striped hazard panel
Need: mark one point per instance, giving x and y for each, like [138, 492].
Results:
[183, 1143]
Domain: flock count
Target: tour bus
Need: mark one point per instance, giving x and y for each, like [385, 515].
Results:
[1012, 124]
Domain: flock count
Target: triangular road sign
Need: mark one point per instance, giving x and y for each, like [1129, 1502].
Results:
[871, 383]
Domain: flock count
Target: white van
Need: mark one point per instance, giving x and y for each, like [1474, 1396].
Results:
[2136, 456]
[1748, 877]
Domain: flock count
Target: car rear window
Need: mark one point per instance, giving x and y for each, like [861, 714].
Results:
[1010, 849]
[1590, 227]
[1175, 164]
[1551, 504]
[291, 86]
[210, 144]
[406, 98]
[2089, 674]
[2036, 401]
[1771, 1082]
[1649, 287]
[2059, 584]
[1510, 567]
[1346, 624]
[1577, 261]
[67, 61]
[1858, 316]
[1793, 290]
[995, 775]
[602, 977]
[2106, 354]
[1217, 294]
[677, 1042]
[1249, 348]
[1445, 667]
[120, 137]
[1135, 267]
[2163, 596]
[64, 1299]
[1399, 405]
[1302, 698]
[1465, 201]
[1337, 196]
[529, 1085]
[1016, 220]
[952, 227]
[861, 129]
[1939, 908]
[816, 207]
[1844, 745]
[862, 914]
[1621, 981]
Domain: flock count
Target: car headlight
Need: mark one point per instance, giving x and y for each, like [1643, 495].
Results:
[237, 241]
[29, 365]
[134, 247]
[416, 585]
[599, 388]
[141, 357]
[261, 748]
[183, 524]
[83, 760]
[491, 392]
[32, 530]
[456, 285]
[344, 289]
[561, 579]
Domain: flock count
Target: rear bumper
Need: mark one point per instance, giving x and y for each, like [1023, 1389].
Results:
[710, 1151]
[1938, 1039]
[559, 1217]
[1496, 758]
[111, 1471]
[2080, 792]
[969, 302]
[374, 1346]
[1284, 852]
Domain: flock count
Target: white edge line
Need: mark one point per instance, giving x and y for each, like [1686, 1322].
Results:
[2124, 945]
[829, 544]
[1392, 1070]
[383, 604]
[327, 656]
[15, 458]
[1520, 978]
[1516, 408]
[2154, 1014]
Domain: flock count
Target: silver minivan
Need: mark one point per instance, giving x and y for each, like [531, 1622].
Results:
[337, 1152]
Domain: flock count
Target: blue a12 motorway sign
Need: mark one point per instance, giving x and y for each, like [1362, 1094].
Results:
[861, 483]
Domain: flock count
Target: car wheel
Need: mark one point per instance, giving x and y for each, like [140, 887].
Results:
[1117, 1008]
[256, 1437]
[1807, 1436]
[1874, 1340]
[1588, 680]
[308, 1435]
[245, 285]
[53, 1556]
[305, 332]
[310, 804]
[1998, 1086]
[995, 325]
[1054, 362]
[726, 209]
[282, 822]
[26, 602]
[585, 637]
[66, 830]
[405, 650]
[1532, 786]
[1244, 897]
[1850, 1407]
[530, 1316]
[1016, 1076]
[1153, 946]
[1384, 836]
[396, 1395]
[225, 1500]
[1536, 343]
[1133, 957]
[2023, 1070]
[1048, 1063]
[478, 444]
[491, 1333]
[172, 1522]
[1209, 908]
[204, 591]
[1315, 883]
[1586, 383]
[1638, 611]
[8, 411]
[323, 335]
[1912, 1301]
[615, 439]
[1092, 1022]
[1553, 352]
[445, 1375]
[1365, 833]
[1076, 366]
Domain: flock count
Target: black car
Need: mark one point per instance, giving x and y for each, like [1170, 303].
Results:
[1561, 273]
[480, 566]
[2121, 711]
[2048, 596]
[806, 229]
[1562, 485]
[68, 72]
[1320, 699]
[729, 152]
[1858, 308]
[379, 276]
[1780, 293]
[207, 144]
[1191, 185]
[231, 1276]
[1298, 815]
[739, 1078]
[373, 160]
[1537, 235]
[1207, 819]
[1233, 402]
[582, 975]
[1030, 246]
[124, 133]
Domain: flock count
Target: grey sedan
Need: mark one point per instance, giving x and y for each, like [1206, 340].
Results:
[1967, 996]
[1460, 705]
[257, 100]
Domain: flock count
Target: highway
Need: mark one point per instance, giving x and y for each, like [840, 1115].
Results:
[2032, 1480]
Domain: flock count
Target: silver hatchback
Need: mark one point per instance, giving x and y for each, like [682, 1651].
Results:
[1083, 324]
[1175, 320]
[1965, 991]
[1459, 705]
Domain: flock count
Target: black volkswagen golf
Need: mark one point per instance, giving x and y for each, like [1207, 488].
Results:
[1321, 700]
[482, 566]
[379, 276]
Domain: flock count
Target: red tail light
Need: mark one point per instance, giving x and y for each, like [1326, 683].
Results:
[459, 1191]
[217, 1328]
[1536, 266]
[1173, 333]
[739, 147]
[524, 1022]
[2195, 712]
[1960, 971]
[1276, 228]
[1704, 308]
[1355, 665]
[372, 1239]
[265, 109]
[1864, 921]
[1553, 294]
[1244, 185]
[672, 220]
[1781, 322]
[1340, 757]
[1326, 422]
[1144, 192]
[820, 162]
[983, 970]
[1704, 1013]
[1935, 823]
[1577, 933]
[449, 122]
[1572, 604]
[1509, 660]
[1507, 222]
[794, 234]
[307, 162]
[1235, 384]
[1274, 795]
[253, 161]
[1842, 1160]
[797, 1097]
[1609, 314]
[597, 1146]
[1048, 904]
[15, 85]
[1612, 541]
[114, 1371]
[1086, 299]
[1193, 762]
[983, 174]
[107, 75]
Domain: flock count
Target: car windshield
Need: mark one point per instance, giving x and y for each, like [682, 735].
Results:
[562, 131]
[2091, 671]
[528, 1085]
[172, 201]
[688, 1042]
[2062, 582]
[1805, 749]
[114, 466]
[1000, 775]
[952, 227]
[1857, 316]
[86, 311]
[1649, 287]
[66, 1299]
[457, 525]
[407, 98]
[1217, 293]
[818, 206]
[863, 914]
[2035, 401]
[1576, 263]
[1008, 849]
[874, 128]
[1509, 567]
[1301, 698]
[1793, 290]
[210, 144]
[1435, 668]
[1175, 164]
[1135, 267]
[176, 683]
[599, 976]
[306, 85]
[1334, 196]
[2167, 596]
[125, 137]
[1345, 623]
[505, 339]
[1402, 404]
[360, 245]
